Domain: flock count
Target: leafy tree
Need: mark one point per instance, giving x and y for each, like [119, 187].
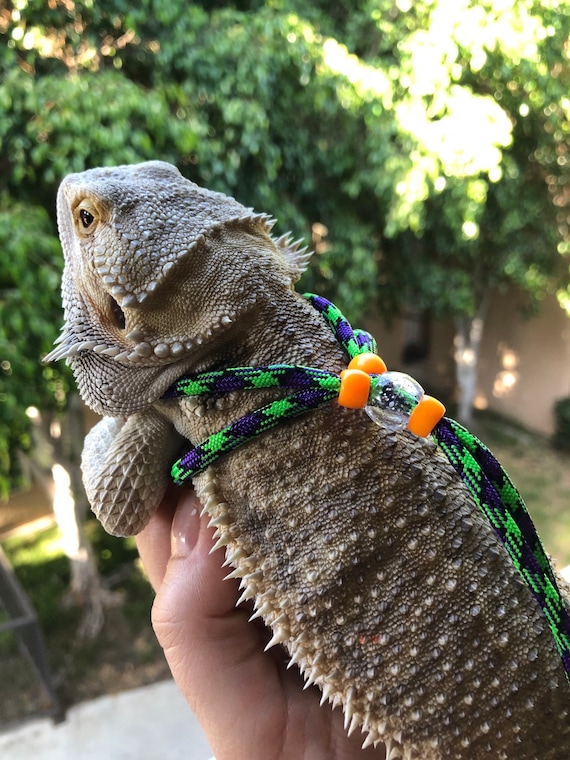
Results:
[486, 187]
[53, 124]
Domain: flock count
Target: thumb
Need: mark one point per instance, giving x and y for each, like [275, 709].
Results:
[207, 641]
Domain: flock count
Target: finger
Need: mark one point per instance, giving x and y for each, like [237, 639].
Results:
[154, 542]
[215, 655]
[194, 600]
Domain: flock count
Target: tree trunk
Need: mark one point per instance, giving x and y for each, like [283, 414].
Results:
[55, 465]
[468, 335]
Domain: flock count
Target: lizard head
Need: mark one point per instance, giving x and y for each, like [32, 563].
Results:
[156, 269]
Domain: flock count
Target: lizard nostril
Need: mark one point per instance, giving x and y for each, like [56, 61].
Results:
[118, 315]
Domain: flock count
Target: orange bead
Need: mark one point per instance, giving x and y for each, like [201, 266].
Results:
[354, 388]
[425, 416]
[368, 362]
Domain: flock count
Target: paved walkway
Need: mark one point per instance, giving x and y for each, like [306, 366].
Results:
[150, 723]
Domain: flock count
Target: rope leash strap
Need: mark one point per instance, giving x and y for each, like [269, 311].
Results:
[354, 342]
[511, 522]
[294, 377]
[457, 442]
[246, 428]
[390, 399]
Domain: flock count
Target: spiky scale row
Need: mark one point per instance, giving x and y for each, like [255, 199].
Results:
[265, 609]
[301, 656]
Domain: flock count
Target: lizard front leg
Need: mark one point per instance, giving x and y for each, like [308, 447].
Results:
[125, 468]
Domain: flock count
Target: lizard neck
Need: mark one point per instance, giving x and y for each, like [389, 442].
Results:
[292, 332]
[286, 329]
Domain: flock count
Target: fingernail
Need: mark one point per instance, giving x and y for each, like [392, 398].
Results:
[185, 527]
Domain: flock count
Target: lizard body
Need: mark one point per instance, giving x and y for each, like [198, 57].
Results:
[360, 547]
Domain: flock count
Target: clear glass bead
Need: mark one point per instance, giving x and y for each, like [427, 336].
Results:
[392, 398]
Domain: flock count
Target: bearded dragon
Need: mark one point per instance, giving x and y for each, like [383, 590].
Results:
[360, 546]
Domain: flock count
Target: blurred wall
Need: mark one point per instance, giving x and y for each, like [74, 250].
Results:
[524, 364]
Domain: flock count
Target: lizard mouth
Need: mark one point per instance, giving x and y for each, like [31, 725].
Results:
[136, 347]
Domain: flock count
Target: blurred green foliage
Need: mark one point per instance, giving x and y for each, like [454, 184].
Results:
[561, 437]
[423, 146]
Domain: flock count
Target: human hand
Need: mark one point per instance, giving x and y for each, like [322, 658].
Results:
[248, 704]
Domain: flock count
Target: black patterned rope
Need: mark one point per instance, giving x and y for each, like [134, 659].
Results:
[290, 376]
[354, 342]
[504, 507]
[320, 387]
[247, 427]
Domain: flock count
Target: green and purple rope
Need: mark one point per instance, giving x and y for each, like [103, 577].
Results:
[503, 506]
[316, 388]
[488, 483]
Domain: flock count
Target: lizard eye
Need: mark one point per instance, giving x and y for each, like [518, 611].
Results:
[86, 218]
[118, 315]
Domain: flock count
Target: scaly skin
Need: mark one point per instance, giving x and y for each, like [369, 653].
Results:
[360, 547]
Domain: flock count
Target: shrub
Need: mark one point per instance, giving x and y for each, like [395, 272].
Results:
[561, 438]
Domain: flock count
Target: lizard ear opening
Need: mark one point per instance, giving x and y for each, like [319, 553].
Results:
[118, 314]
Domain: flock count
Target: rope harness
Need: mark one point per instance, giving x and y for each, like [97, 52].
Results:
[396, 400]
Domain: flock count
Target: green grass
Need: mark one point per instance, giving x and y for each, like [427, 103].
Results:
[43, 569]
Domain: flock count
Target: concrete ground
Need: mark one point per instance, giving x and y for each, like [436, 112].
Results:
[150, 723]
